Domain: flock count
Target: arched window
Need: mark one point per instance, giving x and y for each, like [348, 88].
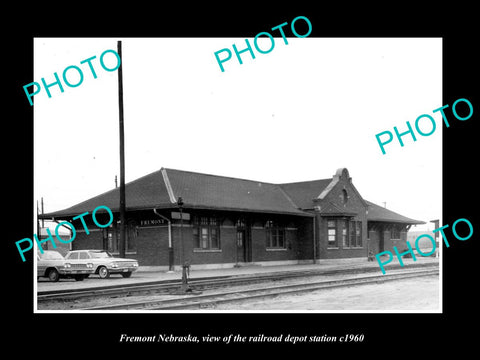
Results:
[344, 196]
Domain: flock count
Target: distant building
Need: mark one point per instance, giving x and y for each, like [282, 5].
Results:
[229, 221]
[62, 248]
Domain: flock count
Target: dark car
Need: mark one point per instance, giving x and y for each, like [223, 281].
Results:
[103, 262]
[52, 264]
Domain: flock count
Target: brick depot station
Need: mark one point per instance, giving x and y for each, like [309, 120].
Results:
[226, 221]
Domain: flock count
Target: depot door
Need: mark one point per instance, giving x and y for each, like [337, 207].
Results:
[244, 247]
[381, 240]
[241, 246]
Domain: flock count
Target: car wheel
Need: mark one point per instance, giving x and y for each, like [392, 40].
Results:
[53, 275]
[103, 272]
[127, 274]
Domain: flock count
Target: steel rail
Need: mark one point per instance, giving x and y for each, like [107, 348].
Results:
[203, 300]
[111, 290]
[165, 286]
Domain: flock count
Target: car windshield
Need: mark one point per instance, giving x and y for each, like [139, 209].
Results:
[100, 254]
[50, 255]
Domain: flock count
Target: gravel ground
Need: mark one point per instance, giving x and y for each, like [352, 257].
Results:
[419, 294]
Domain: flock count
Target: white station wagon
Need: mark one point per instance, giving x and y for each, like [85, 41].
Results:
[103, 262]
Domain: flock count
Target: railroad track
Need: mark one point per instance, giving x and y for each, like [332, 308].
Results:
[163, 287]
[201, 284]
[230, 296]
[119, 290]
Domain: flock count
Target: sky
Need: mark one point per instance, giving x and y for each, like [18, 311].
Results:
[297, 113]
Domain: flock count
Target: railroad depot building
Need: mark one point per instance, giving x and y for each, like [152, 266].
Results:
[227, 221]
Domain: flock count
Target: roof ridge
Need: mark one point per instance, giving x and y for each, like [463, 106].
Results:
[221, 176]
[329, 187]
[290, 200]
[168, 185]
[250, 180]
[304, 182]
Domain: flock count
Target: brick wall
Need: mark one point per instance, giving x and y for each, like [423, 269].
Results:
[92, 241]
[354, 204]
[262, 253]
[226, 253]
[151, 243]
[152, 246]
[374, 241]
[305, 239]
[400, 244]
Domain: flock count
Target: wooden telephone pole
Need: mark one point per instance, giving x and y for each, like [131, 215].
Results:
[122, 155]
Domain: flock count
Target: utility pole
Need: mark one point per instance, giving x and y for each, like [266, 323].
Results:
[122, 154]
[185, 265]
[43, 223]
[436, 223]
[38, 224]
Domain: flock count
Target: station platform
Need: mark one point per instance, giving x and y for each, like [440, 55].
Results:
[154, 274]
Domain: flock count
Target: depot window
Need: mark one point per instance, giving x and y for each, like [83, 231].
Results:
[355, 233]
[347, 232]
[206, 233]
[332, 233]
[275, 233]
[396, 232]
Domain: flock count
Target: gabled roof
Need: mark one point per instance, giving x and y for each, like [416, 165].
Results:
[146, 192]
[162, 188]
[378, 213]
[219, 192]
[302, 193]
[330, 209]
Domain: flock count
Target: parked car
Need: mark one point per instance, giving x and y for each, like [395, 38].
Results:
[52, 264]
[104, 263]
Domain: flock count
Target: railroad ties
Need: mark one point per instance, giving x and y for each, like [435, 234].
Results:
[210, 291]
